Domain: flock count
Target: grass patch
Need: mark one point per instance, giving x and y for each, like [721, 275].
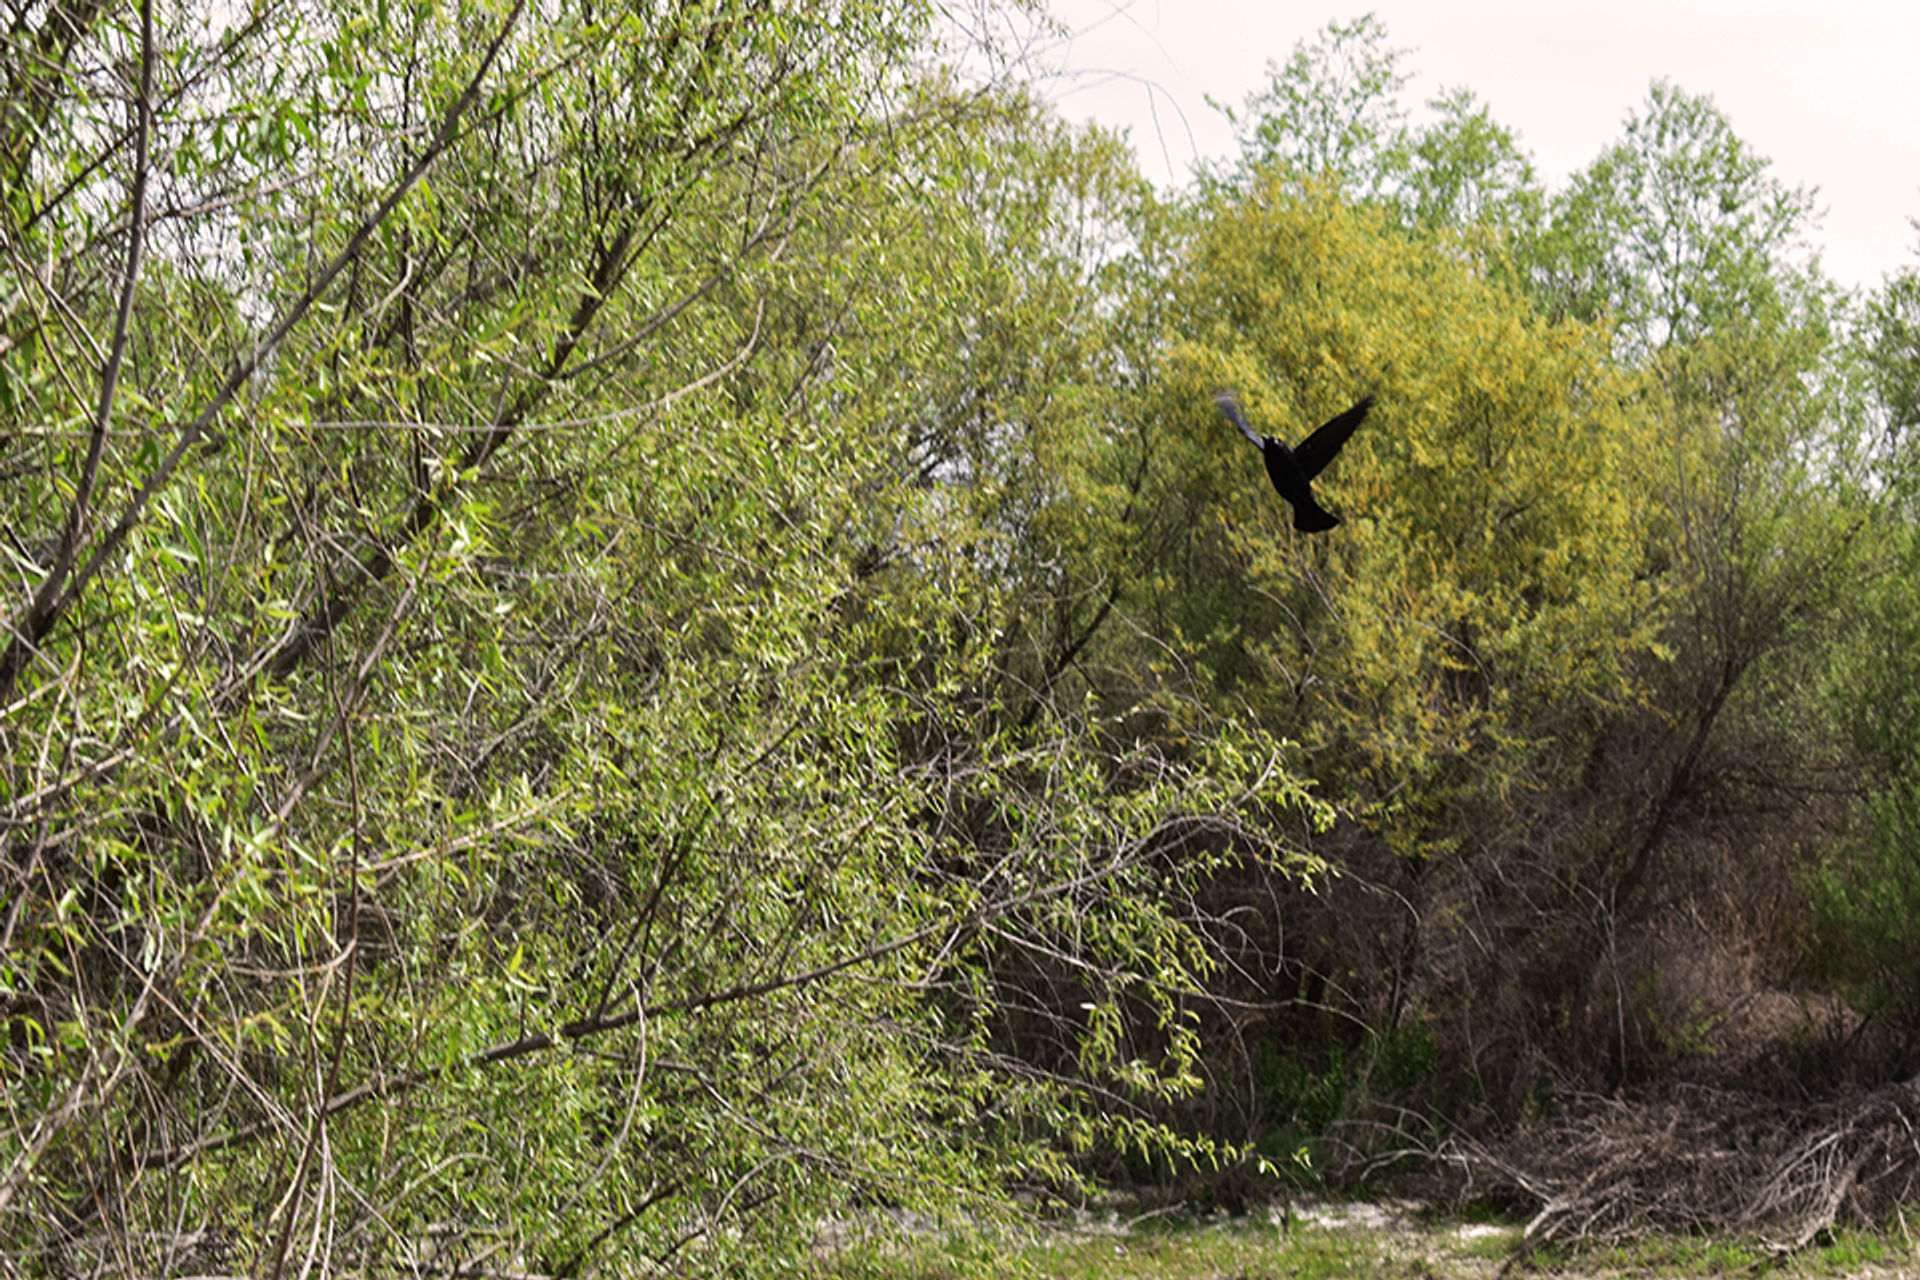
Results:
[1311, 1243]
[1846, 1252]
[1175, 1249]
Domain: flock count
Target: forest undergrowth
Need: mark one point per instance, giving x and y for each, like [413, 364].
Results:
[629, 629]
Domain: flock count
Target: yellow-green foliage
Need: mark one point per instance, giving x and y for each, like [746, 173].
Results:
[1482, 586]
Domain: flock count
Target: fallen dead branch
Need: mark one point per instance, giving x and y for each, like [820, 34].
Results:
[1704, 1160]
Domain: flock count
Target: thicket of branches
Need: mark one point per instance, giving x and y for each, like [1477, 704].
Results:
[631, 629]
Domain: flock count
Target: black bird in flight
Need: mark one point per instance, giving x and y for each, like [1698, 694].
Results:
[1292, 470]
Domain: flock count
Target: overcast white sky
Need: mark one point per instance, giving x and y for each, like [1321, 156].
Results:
[1829, 91]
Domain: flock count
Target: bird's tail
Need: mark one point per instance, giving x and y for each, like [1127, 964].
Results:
[1311, 517]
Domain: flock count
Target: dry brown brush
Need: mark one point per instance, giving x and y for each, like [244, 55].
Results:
[1701, 1160]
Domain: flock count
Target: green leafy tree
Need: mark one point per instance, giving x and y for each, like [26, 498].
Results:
[1762, 528]
[1467, 170]
[1864, 890]
[1865, 886]
[1440, 660]
[1486, 572]
[1677, 231]
[1333, 114]
[1892, 341]
[542, 717]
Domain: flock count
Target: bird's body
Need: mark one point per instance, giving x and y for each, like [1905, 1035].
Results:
[1292, 470]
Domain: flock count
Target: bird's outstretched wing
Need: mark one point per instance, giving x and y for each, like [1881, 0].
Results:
[1317, 450]
[1230, 405]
